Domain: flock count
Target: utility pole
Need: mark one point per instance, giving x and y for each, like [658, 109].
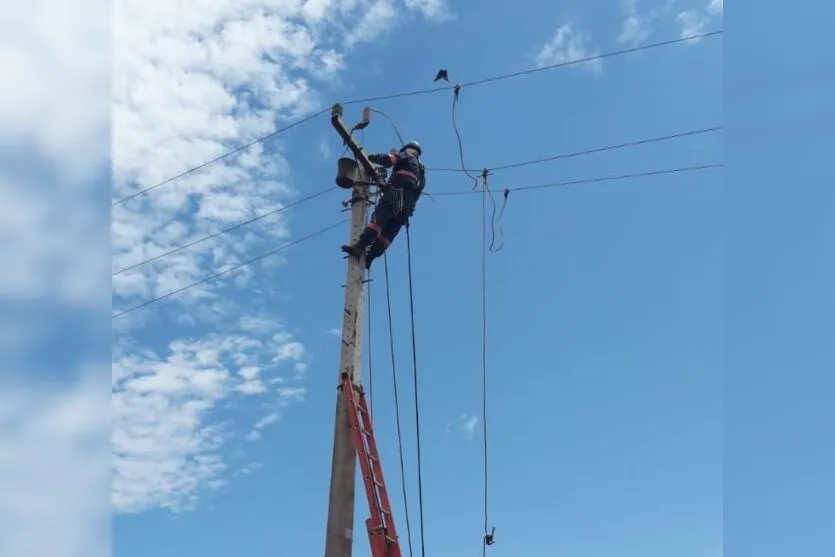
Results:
[339, 534]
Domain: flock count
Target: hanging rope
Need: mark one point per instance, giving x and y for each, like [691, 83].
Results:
[415, 376]
[488, 536]
[397, 408]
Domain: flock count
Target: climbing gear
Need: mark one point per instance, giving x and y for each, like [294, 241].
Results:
[411, 175]
[397, 201]
[412, 145]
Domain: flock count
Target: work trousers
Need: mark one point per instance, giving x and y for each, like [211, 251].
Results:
[390, 214]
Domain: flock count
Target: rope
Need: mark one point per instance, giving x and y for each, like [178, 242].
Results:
[415, 376]
[370, 353]
[488, 536]
[397, 408]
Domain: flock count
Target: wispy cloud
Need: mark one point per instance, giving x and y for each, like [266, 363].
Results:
[167, 439]
[467, 423]
[636, 27]
[325, 150]
[695, 21]
[191, 81]
[568, 45]
[433, 10]
[53, 463]
[378, 17]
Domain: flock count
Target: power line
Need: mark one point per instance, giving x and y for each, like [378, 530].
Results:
[226, 230]
[425, 92]
[493, 169]
[223, 156]
[595, 180]
[587, 151]
[595, 57]
[487, 535]
[519, 188]
[230, 269]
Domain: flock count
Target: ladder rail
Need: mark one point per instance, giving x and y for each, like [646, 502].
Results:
[390, 530]
[381, 531]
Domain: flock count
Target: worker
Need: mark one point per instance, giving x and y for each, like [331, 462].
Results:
[395, 206]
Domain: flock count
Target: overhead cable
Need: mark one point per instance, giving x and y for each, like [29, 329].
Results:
[424, 92]
[561, 156]
[598, 179]
[226, 230]
[230, 269]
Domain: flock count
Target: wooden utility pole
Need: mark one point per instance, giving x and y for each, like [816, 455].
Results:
[339, 534]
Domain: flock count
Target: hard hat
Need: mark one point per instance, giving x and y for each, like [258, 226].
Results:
[412, 145]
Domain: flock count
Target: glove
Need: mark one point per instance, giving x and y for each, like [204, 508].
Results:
[377, 158]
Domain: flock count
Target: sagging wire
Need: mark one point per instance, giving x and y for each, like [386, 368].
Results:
[399, 138]
[494, 224]
[390, 121]
[455, 93]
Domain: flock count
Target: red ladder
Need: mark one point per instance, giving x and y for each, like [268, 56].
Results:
[381, 532]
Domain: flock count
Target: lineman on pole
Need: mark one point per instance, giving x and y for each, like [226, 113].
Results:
[397, 203]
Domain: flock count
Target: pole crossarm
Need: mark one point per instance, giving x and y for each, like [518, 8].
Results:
[351, 143]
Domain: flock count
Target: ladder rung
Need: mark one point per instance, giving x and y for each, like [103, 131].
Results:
[390, 539]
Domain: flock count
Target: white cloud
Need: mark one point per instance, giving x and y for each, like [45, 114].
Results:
[379, 16]
[54, 470]
[255, 432]
[167, 440]
[691, 22]
[569, 45]
[635, 28]
[267, 420]
[696, 21]
[325, 150]
[335, 332]
[434, 10]
[467, 423]
[191, 81]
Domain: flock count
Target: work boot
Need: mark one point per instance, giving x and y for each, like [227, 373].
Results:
[352, 250]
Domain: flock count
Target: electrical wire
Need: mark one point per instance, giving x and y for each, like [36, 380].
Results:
[390, 121]
[486, 186]
[487, 540]
[225, 230]
[415, 376]
[598, 179]
[230, 269]
[397, 407]
[589, 151]
[223, 156]
[424, 92]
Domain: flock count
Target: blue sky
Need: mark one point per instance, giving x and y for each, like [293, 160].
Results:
[606, 309]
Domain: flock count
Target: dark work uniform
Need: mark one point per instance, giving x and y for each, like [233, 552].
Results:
[396, 204]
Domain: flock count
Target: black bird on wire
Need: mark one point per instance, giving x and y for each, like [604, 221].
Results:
[442, 74]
